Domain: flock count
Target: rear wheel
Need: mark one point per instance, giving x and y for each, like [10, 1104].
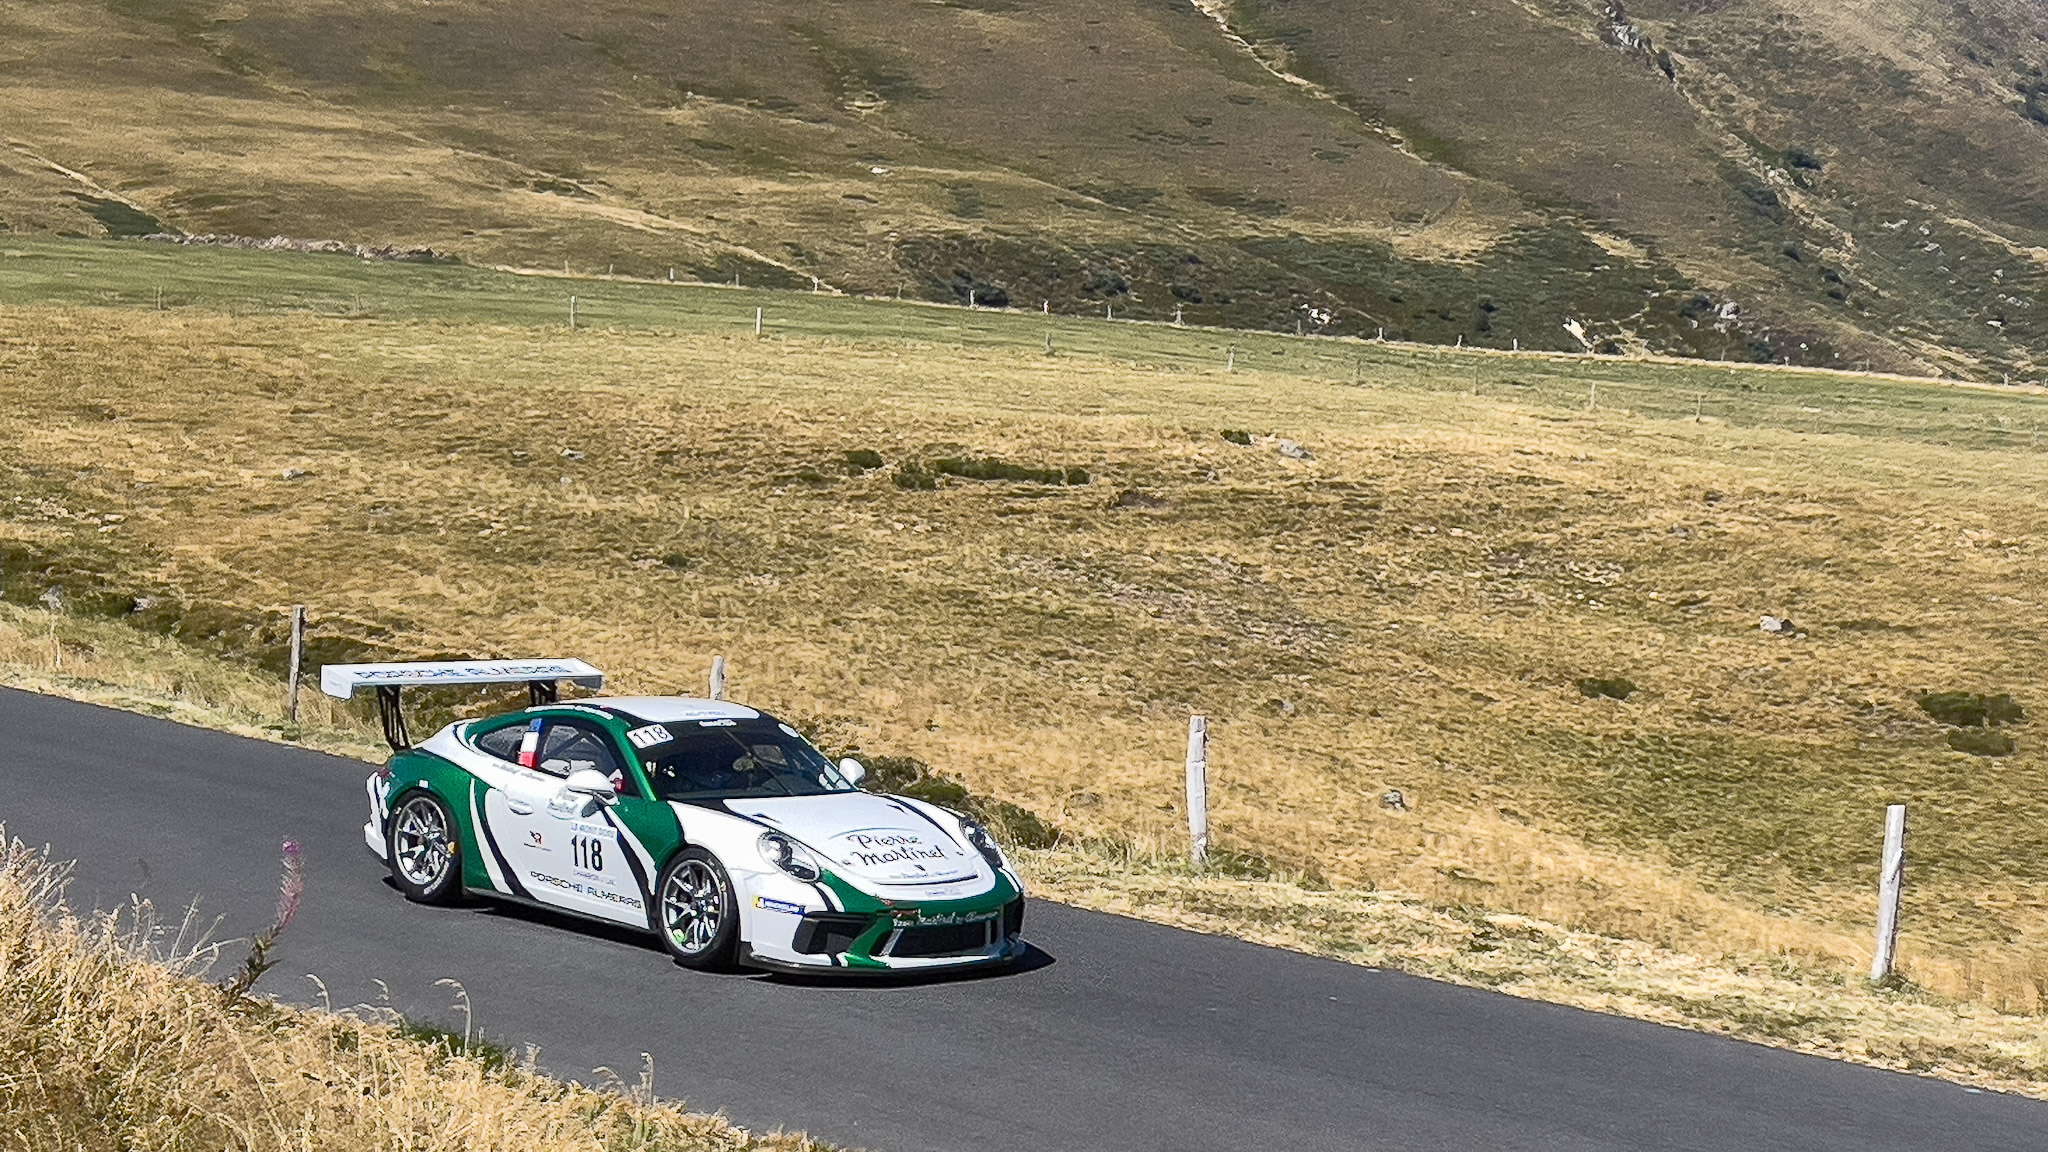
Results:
[695, 913]
[425, 853]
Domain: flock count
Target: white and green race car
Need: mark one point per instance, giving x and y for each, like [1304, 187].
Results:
[715, 826]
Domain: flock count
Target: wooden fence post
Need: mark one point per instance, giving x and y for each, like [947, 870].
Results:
[757, 321]
[572, 311]
[718, 678]
[1198, 788]
[1891, 879]
[298, 659]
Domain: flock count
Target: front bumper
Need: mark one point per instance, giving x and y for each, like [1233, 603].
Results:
[788, 932]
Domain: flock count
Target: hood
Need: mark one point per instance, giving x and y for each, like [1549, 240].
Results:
[866, 837]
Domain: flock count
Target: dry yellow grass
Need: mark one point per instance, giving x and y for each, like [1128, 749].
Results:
[108, 1043]
[1765, 994]
[1408, 609]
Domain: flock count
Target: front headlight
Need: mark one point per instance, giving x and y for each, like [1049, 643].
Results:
[983, 842]
[789, 856]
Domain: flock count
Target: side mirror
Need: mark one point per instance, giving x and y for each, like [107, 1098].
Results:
[853, 770]
[592, 783]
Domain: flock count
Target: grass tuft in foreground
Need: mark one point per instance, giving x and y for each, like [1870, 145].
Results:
[109, 1040]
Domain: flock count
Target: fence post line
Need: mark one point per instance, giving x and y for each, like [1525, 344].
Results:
[718, 677]
[1891, 880]
[298, 660]
[1198, 788]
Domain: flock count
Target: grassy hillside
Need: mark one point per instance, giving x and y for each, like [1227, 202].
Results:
[1432, 600]
[1766, 180]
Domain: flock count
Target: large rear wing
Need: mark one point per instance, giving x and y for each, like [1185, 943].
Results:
[541, 677]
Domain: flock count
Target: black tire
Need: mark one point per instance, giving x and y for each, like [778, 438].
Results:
[695, 913]
[424, 849]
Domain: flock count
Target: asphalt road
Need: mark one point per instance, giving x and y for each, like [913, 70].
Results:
[1123, 1035]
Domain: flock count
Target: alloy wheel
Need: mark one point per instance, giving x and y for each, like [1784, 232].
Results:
[693, 906]
[419, 841]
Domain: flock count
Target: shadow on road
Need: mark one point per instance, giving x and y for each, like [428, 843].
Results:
[1034, 958]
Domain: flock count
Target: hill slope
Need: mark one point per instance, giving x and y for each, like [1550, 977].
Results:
[1758, 180]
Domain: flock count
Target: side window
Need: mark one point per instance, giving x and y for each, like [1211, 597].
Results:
[504, 742]
[571, 746]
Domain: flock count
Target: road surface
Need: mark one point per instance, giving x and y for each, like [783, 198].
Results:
[1121, 1035]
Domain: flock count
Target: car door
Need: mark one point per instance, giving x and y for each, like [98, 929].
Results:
[565, 845]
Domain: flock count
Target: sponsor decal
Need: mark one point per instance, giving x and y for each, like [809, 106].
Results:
[768, 905]
[891, 848]
[577, 888]
[590, 829]
[649, 736]
[420, 672]
[911, 917]
[717, 723]
[534, 838]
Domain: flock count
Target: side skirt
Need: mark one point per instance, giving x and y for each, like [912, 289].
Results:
[556, 909]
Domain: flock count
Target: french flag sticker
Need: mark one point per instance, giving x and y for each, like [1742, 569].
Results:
[529, 746]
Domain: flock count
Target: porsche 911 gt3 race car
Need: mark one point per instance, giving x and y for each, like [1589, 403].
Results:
[715, 826]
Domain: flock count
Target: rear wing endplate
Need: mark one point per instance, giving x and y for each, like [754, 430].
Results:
[541, 677]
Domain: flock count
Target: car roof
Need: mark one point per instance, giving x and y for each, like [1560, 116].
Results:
[670, 709]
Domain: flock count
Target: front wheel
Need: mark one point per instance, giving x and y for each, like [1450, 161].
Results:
[424, 850]
[695, 913]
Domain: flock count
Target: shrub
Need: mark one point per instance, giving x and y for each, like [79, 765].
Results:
[1981, 742]
[909, 776]
[862, 459]
[990, 468]
[1618, 688]
[1238, 436]
[1972, 709]
[913, 477]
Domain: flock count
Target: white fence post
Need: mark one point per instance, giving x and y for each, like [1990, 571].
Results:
[1198, 788]
[757, 321]
[298, 657]
[718, 677]
[1891, 880]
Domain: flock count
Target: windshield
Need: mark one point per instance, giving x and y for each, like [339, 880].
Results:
[720, 759]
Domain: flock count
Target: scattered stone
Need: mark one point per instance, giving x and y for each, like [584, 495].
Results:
[141, 604]
[1133, 498]
[52, 598]
[293, 244]
[571, 454]
[1393, 799]
[1293, 451]
[1778, 625]
[296, 473]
